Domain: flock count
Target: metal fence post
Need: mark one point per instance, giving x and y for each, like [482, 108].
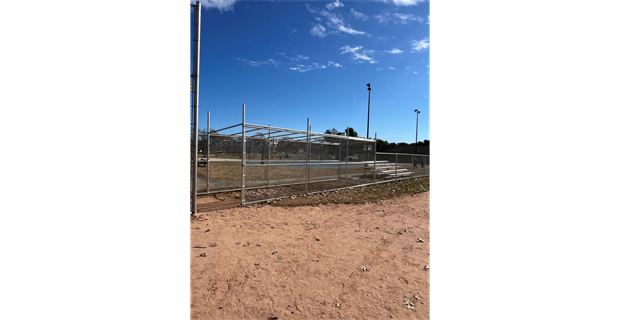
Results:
[194, 156]
[396, 167]
[346, 168]
[339, 157]
[374, 164]
[413, 166]
[243, 156]
[208, 149]
[307, 156]
[268, 156]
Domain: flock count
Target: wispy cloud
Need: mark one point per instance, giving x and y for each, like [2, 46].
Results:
[402, 2]
[395, 18]
[318, 30]
[407, 2]
[258, 63]
[223, 5]
[349, 49]
[306, 68]
[395, 51]
[359, 15]
[291, 30]
[290, 61]
[309, 8]
[360, 56]
[333, 5]
[333, 21]
[391, 68]
[300, 57]
[420, 45]
[349, 30]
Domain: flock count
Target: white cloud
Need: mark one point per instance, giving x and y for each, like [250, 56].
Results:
[415, 72]
[404, 18]
[334, 64]
[391, 68]
[318, 30]
[359, 15]
[359, 56]
[349, 30]
[305, 68]
[402, 2]
[420, 45]
[385, 18]
[332, 18]
[223, 5]
[300, 57]
[379, 69]
[258, 63]
[291, 30]
[333, 21]
[310, 8]
[349, 49]
[407, 2]
[395, 51]
[333, 5]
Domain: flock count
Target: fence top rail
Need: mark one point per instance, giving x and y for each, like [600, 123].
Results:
[406, 154]
[311, 133]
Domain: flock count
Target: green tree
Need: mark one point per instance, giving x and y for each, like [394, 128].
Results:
[382, 145]
[350, 132]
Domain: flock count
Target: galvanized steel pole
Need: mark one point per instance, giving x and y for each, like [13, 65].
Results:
[208, 149]
[243, 156]
[196, 104]
[308, 156]
[346, 168]
[374, 165]
[268, 156]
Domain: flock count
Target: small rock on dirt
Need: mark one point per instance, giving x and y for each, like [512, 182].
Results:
[426, 267]
[420, 240]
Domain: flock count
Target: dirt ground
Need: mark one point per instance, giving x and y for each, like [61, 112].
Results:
[305, 262]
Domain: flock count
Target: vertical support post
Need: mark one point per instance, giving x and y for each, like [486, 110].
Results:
[346, 168]
[243, 156]
[396, 167]
[339, 157]
[308, 150]
[194, 156]
[268, 156]
[208, 150]
[413, 166]
[374, 164]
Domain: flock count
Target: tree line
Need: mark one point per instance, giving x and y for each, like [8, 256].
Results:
[382, 145]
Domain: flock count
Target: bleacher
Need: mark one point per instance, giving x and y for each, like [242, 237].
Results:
[388, 170]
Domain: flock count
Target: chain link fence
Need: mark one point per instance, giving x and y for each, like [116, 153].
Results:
[281, 163]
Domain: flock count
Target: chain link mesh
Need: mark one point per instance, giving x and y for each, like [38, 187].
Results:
[290, 163]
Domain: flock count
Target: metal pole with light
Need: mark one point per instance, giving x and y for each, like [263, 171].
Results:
[368, 123]
[417, 112]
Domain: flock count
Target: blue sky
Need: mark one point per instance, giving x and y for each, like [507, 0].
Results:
[290, 60]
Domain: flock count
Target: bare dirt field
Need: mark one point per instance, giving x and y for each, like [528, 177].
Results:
[296, 260]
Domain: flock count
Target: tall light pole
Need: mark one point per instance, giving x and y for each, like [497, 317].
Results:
[368, 123]
[417, 112]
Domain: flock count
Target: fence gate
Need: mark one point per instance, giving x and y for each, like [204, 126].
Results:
[194, 67]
